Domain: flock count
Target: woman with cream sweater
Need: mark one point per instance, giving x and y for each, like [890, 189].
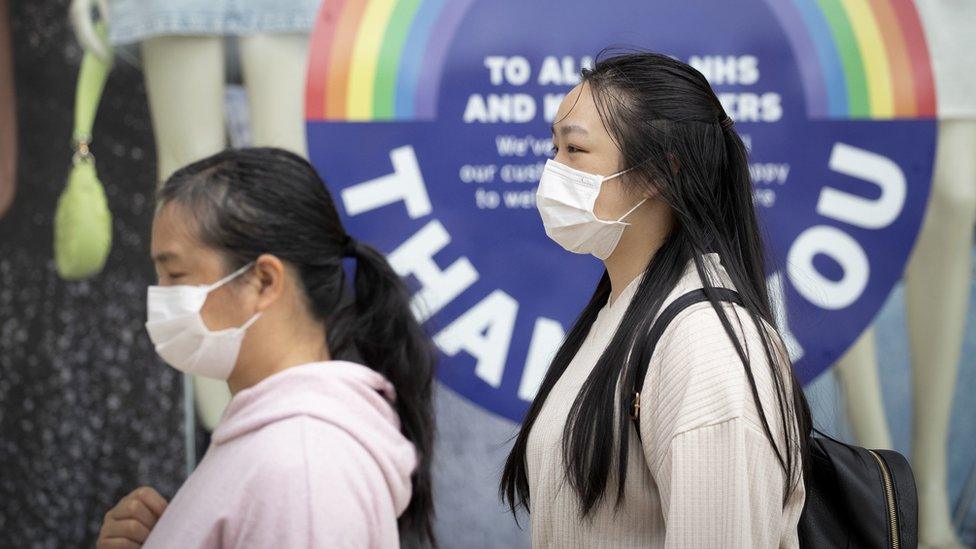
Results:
[650, 177]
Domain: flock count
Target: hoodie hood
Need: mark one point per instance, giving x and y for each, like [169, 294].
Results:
[350, 396]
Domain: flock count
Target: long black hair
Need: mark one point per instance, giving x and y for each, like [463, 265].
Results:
[671, 130]
[248, 202]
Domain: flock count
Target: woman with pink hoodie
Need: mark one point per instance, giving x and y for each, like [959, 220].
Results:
[327, 440]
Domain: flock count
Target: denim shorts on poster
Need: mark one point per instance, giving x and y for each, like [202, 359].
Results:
[136, 20]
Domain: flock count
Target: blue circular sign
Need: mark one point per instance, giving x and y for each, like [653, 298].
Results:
[429, 121]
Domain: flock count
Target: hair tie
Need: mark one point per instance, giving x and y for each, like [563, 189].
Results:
[727, 123]
[349, 247]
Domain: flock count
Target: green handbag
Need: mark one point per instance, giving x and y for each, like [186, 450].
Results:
[82, 221]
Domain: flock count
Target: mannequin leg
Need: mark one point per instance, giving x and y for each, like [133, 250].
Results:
[8, 115]
[858, 375]
[274, 67]
[937, 286]
[185, 85]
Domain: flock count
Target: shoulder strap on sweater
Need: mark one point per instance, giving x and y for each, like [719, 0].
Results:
[665, 318]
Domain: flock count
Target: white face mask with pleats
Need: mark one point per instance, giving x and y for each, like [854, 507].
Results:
[565, 199]
[180, 335]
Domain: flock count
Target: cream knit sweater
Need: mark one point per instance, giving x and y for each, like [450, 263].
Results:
[705, 474]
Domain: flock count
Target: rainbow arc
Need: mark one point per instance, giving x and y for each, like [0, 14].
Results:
[382, 60]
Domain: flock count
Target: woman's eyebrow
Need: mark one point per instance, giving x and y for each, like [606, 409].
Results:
[570, 128]
[163, 257]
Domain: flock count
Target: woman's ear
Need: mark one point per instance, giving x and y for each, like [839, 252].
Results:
[644, 188]
[674, 163]
[269, 276]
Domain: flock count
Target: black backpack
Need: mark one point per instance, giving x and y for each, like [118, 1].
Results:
[855, 497]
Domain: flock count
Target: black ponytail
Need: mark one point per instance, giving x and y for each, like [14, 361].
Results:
[389, 339]
[248, 202]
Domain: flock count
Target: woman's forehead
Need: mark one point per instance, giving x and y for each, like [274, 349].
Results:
[172, 232]
[578, 115]
[574, 105]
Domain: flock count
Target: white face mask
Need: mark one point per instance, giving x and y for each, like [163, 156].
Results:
[565, 200]
[180, 335]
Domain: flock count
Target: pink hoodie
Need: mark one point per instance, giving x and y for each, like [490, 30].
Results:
[309, 457]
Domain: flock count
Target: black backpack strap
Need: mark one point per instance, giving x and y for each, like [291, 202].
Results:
[665, 318]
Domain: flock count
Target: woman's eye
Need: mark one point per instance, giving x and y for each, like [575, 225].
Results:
[569, 149]
[176, 276]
